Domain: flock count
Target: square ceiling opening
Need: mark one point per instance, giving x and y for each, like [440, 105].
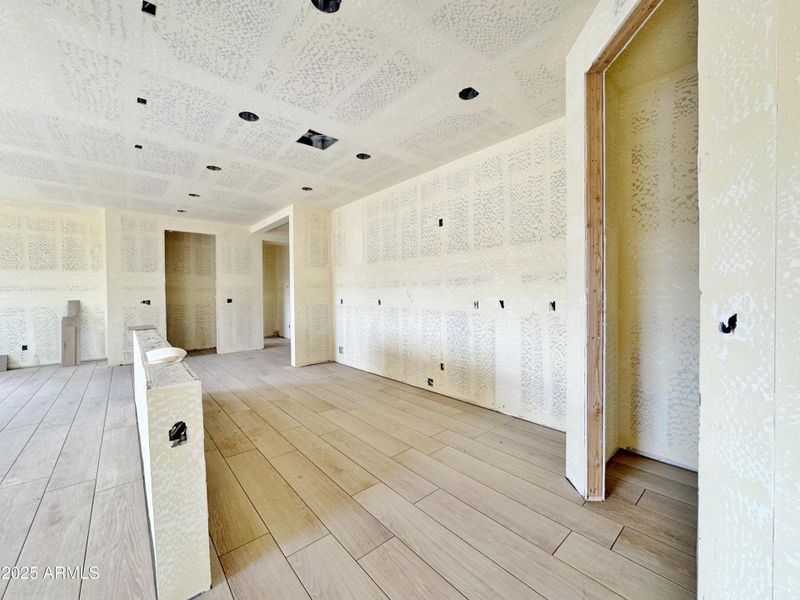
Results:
[317, 140]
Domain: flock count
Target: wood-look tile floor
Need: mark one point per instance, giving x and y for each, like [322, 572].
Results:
[328, 482]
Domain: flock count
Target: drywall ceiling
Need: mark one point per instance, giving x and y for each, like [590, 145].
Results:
[383, 77]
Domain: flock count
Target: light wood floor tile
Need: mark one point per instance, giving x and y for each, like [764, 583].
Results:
[353, 527]
[228, 438]
[119, 545]
[657, 468]
[306, 416]
[516, 448]
[402, 480]
[617, 488]
[232, 519]
[38, 457]
[669, 507]
[413, 397]
[578, 518]
[531, 525]
[469, 571]
[445, 421]
[531, 473]
[662, 485]
[346, 473]
[268, 441]
[277, 419]
[391, 566]
[618, 573]
[676, 534]
[539, 569]
[12, 441]
[292, 524]
[120, 460]
[57, 538]
[328, 571]
[665, 560]
[220, 590]
[259, 570]
[79, 458]
[378, 419]
[364, 431]
[18, 506]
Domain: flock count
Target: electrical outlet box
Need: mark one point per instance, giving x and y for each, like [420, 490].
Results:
[24, 347]
[430, 382]
[441, 366]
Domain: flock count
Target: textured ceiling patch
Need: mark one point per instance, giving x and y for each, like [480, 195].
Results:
[396, 77]
[494, 28]
[93, 80]
[178, 109]
[17, 128]
[220, 37]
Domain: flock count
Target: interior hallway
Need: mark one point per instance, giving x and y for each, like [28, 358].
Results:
[330, 482]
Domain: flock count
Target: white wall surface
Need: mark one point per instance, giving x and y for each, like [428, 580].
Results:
[652, 230]
[502, 239]
[135, 243]
[191, 289]
[49, 254]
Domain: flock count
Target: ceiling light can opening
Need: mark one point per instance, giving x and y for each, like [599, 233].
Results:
[468, 93]
[193, 195]
[213, 168]
[327, 6]
[317, 140]
[246, 115]
[363, 156]
[182, 210]
[308, 189]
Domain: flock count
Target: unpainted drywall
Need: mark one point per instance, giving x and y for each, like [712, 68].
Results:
[405, 285]
[135, 258]
[49, 254]
[652, 241]
[190, 290]
[276, 290]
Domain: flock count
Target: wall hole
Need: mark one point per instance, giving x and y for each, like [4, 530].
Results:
[178, 434]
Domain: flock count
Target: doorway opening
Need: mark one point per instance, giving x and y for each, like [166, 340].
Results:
[191, 290]
[643, 242]
[277, 292]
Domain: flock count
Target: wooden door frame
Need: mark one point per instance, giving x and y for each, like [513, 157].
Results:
[595, 245]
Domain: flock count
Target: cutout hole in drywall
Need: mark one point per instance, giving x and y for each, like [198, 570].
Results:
[379, 301]
[476, 304]
[230, 300]
[317, 140]
[430, 382]
[149, 8]
[24, 347]
[468, 93]
[441, 222]
[441, 366]
[147, 302]
[178, 434]
[341, 300]
[730, 327]
[141, 100]
[552, 305]
[502, 303]
[327, 6]
[137, 146]
[341, 349]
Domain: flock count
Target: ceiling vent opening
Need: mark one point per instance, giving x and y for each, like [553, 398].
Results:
[468, 93]
[317, 140]
[328, 6]
[246, 115]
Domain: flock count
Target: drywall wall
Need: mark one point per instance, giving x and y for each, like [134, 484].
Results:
[135, 258]
[190, 269]
[49, 254]
[275, 262]
[310, 260]
[405, 287]
[750, 266]
[652, 230]
[787, 311]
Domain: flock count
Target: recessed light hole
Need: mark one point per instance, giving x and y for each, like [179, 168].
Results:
[468, 93]
[317, 140]
[138, 146]
[141, 100]
[149, 8]
[182, 210]
[308, 189]
[193, 195]
[363, 156]
[328, 6]
[248, 116]
[213, 168]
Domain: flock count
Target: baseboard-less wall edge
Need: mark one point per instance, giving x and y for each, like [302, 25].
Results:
[169, 413]
[454, 397]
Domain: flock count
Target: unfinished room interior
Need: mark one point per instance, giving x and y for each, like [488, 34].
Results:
[357, 299]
